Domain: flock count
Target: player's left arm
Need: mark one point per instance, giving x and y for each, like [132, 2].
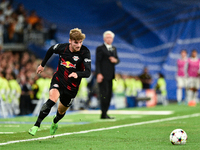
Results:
[87, 64]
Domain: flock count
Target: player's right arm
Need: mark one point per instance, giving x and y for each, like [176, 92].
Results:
[49, 53]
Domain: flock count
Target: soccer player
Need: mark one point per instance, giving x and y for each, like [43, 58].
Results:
[181, 75]
[193, 77]
[74, 64]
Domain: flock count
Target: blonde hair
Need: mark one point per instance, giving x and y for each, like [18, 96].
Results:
[76, 34]
[108, 32]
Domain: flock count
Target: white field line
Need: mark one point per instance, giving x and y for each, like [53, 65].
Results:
[103, 129]
[7, 132]
[11, 126]
[128, 112]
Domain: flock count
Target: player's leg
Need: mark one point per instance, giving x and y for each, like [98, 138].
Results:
[195, 90]
[189, 89]
[46, 108]
[185, 87]
[61, 112]
[65, 102]
[179, 92]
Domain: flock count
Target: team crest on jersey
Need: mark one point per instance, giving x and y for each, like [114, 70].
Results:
[68, 64]
[76, 58]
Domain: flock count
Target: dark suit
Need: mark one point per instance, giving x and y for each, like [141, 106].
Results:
[107, 69]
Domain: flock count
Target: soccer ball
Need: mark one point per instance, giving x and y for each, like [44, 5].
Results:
[178, 137]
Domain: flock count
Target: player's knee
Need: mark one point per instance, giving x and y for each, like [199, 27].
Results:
[54, 95]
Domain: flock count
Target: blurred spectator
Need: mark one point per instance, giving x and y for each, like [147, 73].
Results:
[118, 85]
[181, 75]
[193, 77]
[20, 10]
[82, 96]
[2, 17]
[9, 30]
[39, 25]
[2, 20]
[15, 92]
[4, 87]
[21, 22]
[34, 91]
[119, 91]
[25, 99]
[4, 4]
[138, 84]
[161, 90]
[16, 25]
[129, 84]
[24, 59]
[43, 83]
[130, 90]
[146, 79]
[32, 19]
[8, 10]
[19, 28]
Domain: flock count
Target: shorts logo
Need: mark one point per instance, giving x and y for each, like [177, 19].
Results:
[87, 60]
[56, 85]
[76, 58]
[70, 103]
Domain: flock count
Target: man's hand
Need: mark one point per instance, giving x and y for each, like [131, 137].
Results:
[99, 78]
[73, 74]
[113, 59]
[39, 69]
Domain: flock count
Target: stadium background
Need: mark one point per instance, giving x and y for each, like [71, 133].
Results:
[148, 33]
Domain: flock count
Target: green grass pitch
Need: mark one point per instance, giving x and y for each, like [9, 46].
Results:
[133, 129]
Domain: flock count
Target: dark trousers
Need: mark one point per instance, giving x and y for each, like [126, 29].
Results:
[105, 94]
[25, 105]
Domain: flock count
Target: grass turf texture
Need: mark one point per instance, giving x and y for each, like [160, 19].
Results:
[147, 136]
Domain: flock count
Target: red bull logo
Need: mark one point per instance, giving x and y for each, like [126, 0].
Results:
[68, 64]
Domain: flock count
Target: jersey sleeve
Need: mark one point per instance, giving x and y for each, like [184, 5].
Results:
[87, 64]
[116, 56]
[51, 50]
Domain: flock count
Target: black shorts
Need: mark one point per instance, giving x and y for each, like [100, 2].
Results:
[66, 96]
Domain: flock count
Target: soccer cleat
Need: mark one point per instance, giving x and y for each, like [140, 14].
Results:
[107, 117]
[33, 130]
[54, 127]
